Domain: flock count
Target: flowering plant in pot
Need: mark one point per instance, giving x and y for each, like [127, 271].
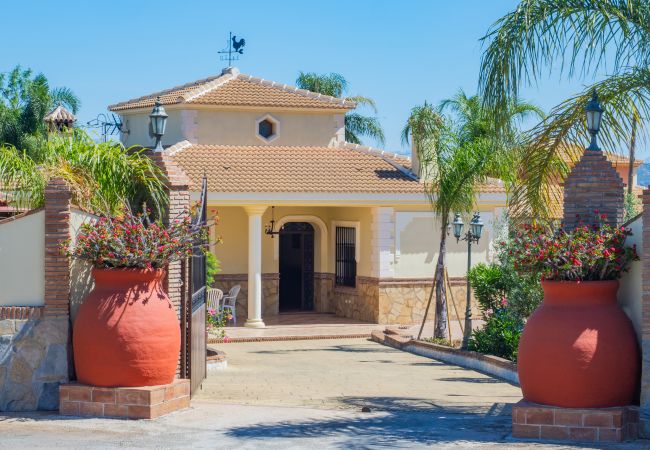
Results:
[126, 332]
[579, 339]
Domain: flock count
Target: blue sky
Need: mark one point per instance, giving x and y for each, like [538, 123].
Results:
[398, 52]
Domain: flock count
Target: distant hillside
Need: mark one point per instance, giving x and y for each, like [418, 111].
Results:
[643, 174]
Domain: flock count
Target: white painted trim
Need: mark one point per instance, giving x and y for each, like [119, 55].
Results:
[357, 236]
[322, 227]
[276, 128]
[336, 198]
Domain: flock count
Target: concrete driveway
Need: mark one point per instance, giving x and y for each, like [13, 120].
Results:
[306, 394]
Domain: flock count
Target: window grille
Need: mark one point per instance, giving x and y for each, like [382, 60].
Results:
[346, 264]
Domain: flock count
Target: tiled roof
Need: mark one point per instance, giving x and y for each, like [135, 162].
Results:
[346, 169]
[60, 115]
[232, 88]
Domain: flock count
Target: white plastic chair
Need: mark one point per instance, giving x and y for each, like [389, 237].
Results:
[230, 302]
[214, 299]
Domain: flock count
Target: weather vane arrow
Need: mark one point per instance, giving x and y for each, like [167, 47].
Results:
[234, 49]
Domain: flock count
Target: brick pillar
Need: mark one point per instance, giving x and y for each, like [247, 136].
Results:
[57, 265]
[644, 425]
[179, 204]
[593, 185]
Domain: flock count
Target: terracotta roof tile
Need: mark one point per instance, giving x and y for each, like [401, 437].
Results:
[232, 88]
[296, 169]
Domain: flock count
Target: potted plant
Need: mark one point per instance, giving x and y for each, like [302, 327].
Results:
[578, 349]
[126, 332]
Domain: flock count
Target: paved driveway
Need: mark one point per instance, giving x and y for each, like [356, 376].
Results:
[306, 394]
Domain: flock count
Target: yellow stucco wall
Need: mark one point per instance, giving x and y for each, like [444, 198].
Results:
[22, 253]
[237, 127]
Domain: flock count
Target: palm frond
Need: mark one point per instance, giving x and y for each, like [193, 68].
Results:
[357, 125]
[527, 42]
[551, 146]
[66, 97]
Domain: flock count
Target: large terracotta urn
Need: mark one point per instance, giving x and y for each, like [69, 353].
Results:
[579, 349]
[126, 332]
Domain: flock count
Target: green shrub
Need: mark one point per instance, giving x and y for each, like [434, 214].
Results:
[491, 285]
[212, 267]
[500, 335]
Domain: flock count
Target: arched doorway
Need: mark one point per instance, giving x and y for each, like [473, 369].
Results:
[296, 267]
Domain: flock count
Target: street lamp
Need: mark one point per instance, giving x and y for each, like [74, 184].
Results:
[594, 115]
[158, 119]
[471, 236]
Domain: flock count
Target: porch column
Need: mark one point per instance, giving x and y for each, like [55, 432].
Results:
[255, 266]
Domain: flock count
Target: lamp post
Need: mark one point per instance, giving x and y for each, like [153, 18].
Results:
[594, 115]
[471, 236]
[158, 119]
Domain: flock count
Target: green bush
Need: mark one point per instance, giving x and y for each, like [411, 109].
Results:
[212, 267]
[500, 335]
[490, 284]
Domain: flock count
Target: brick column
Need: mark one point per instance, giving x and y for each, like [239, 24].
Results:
[593, 185]
[179, 204]
[644, 425]
[57, 265]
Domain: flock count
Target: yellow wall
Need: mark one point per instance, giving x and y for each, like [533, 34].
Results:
[22, 254]
[233, 229]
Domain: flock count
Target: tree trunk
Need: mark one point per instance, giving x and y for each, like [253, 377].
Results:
[440, 330]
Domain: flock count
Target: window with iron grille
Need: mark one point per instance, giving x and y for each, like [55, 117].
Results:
[346, 264]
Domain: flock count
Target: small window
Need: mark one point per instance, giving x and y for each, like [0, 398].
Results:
[346, 264]
[265, 128]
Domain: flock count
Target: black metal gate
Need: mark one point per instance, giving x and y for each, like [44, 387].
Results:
[195, 343]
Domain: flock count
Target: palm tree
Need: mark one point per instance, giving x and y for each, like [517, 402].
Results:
[24, 101]
[356, 125]
[104, 177]
[460, 146]
[585, 37]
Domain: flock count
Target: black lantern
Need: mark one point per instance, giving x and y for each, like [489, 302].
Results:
[158, 118]
[594, 115]
[270, 228]
[458, 226]
[476, 226]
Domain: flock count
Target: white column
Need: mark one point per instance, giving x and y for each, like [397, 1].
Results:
[255, 266]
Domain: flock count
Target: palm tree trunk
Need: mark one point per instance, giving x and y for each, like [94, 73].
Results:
[630, 169]
[440, 330]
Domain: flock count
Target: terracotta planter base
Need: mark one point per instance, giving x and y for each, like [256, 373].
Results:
[146, 402]
[552, 423]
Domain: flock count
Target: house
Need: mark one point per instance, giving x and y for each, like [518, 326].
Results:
[355, 234]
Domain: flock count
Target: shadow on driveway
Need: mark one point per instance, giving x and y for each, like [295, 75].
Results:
[394, 420]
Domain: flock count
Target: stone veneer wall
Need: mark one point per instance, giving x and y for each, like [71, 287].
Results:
[323, 292]
[403, 301]
[35, 349]
[360, 302]
[270, 293]
[644, 411]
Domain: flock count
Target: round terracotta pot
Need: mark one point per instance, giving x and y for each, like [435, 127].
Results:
[579, 349]
[126, 332]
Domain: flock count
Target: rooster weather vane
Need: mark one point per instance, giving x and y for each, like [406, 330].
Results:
[234, 49]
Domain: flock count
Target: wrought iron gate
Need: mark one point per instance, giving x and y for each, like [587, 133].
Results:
[194, 348]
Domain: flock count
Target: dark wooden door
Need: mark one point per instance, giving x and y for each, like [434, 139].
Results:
[296, 267]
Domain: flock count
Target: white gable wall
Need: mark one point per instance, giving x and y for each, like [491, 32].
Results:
[237, 127]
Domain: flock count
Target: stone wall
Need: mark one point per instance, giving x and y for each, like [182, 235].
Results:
[360, 302]
[593, 188]
[644, 424]
[403, 301]
[270, 293]
[34, 359]
[323, 292]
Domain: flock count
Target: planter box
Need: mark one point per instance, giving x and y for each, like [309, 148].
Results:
[147, 402]
[541, 422]
[488, 364]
